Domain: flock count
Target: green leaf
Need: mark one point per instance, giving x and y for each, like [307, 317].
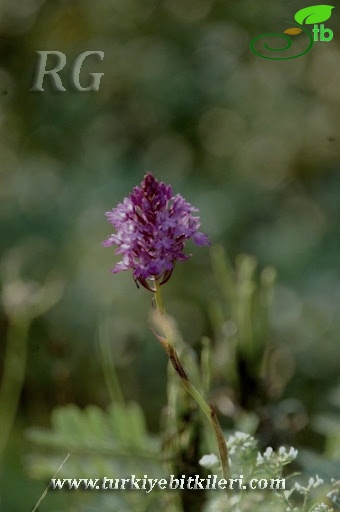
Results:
[111, 442]
[314, 14]
[137, 424]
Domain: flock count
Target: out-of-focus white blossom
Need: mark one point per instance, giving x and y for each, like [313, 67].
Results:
[208, 461]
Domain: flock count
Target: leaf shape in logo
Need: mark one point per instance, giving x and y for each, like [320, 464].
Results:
[293, 31]
[314, 14]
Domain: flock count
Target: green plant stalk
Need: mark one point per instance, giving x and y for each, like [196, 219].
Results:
[13, 376]
[109, 368]
[206, 408]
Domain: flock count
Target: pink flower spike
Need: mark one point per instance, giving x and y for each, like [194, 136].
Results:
[152, 226]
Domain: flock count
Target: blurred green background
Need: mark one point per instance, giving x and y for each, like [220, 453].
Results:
[253, 143]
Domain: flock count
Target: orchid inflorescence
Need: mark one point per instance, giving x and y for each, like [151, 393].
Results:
[152, 226]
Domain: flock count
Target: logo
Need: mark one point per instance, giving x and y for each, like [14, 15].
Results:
[53, 73]
[314, 15]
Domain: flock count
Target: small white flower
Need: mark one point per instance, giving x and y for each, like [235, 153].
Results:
[299, 488]
[209, 461]
[267, 454]
[288, 493]
[318, 481]
[241, 435]
[322, 507]
[333, 496]
[259, 459]
[232, 450]
[293, 453]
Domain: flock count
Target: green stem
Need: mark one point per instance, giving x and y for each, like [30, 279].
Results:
[109, 367]
[159, 298]
[206, 408]
[304, 503]
[13, 376]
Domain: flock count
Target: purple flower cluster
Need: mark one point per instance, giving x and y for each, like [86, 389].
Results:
[151, 227]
